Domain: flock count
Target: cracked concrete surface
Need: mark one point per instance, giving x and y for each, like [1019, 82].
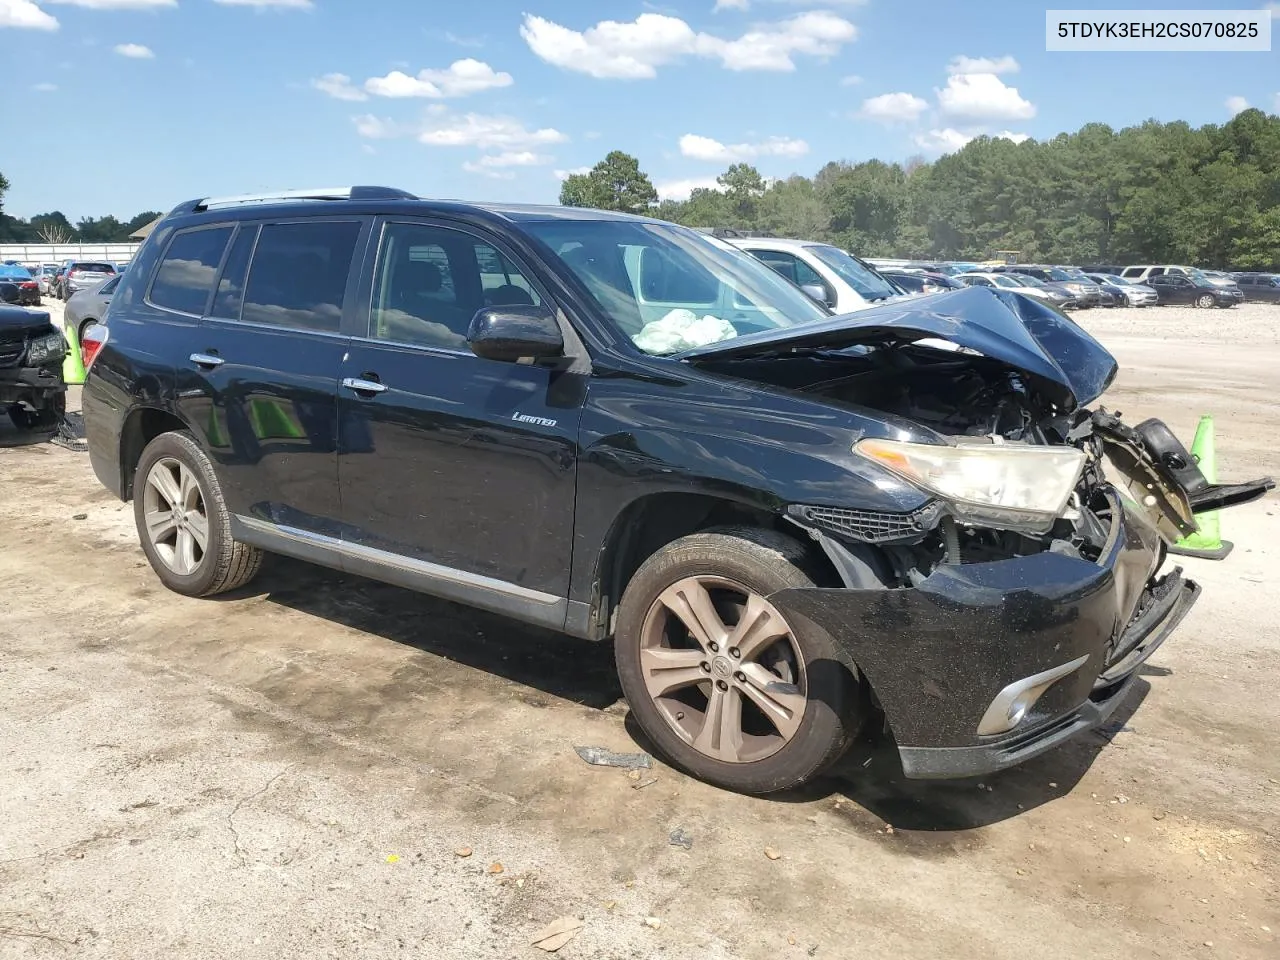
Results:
[290, 771]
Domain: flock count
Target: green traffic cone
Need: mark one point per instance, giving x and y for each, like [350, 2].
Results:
[73, 363]
[1206, 542]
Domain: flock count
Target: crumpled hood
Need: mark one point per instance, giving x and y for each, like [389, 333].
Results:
[1068, 365]
[17, 319]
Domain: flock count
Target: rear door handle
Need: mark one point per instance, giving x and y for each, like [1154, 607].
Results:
[207, 360]
[363, 386]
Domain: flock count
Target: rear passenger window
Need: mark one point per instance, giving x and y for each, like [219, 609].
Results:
[185, 278]
[298, 274]
[231, 286]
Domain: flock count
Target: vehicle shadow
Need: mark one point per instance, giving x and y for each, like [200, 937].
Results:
[871, 776]
[551, 662]
[11, 437]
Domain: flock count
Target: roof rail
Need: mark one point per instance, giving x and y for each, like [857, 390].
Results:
[322, 193]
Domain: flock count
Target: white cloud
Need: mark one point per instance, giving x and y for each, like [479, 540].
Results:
[117, 4]
[45, 87]
[25, 15]
[338, 86]
[680, 189]
[852, 80]
[894, 108]
[983, 96]
[514, 158]
[1235, 105]
[461, 78]
[947, 140]
[272, 4]
[485, 132]
[376, 128]
[488, 172]
[704, 148]
[634, 50]
[745, 4]
[963, 64]
[368, 148]
[134, 51]
[566, 174]
[730, 5]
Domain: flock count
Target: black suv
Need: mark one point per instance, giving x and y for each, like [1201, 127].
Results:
[794, 527]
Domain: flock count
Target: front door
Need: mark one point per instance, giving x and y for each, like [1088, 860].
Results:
[455, 463]
[261, 384]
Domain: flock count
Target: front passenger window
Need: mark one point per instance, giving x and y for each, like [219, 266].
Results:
[431, 281]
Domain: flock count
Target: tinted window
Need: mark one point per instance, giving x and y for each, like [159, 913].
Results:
[299, 274]
[185, 278]
[109, 287]
[431, 281]
[231, 286]
[1156, 272]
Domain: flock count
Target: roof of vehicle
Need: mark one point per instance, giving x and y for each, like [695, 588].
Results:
[330, 200]
[773, 243]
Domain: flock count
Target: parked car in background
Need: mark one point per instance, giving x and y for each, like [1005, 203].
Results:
[17, 285]
[87, 307]
[1195, 289]
[1218, 278]
[1261, 287]
[781, 518]
[1114, 290]
[1057, 295]
[1127, 294]
[84, 274]
[1085, 292]
[831, 276]
[44, 278]
[921, 283]
[1144, 272]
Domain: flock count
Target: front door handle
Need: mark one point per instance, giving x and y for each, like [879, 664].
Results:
[206, 360]
[363, 386]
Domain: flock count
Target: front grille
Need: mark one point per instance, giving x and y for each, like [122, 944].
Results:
[870, 526]
[11, 353]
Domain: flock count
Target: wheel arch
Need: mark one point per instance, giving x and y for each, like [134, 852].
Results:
[141, 426]
[650, 522]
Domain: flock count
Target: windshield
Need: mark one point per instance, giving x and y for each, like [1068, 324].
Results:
[1198, 276]
[1027, 280]
[670, 289]
[1000, 280]
[869, 284]
[1060, 275]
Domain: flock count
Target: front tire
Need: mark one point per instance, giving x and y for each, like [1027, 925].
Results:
[1205, 301]
[183, 523]
[723, 684]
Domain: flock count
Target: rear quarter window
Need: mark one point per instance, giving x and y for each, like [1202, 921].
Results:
[184, 280]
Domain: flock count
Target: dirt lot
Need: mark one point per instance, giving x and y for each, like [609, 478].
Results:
[292, 772]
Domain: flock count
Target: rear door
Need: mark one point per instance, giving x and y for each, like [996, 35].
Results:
[260, 384]
[455, 468]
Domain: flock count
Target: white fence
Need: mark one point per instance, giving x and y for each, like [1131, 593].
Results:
[32, 253]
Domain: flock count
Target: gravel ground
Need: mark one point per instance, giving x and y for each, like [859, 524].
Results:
[296, 770]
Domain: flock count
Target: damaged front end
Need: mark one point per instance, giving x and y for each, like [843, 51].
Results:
[1013, 607]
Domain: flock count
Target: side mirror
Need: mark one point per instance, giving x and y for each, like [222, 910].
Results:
[816, 291]
[515, 334]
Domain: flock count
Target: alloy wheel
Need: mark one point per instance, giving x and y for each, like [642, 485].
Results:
[1205, 301]
[176, 521]
[722, 666]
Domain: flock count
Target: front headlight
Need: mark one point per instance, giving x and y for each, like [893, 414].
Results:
[1026, 487]
[46, 349]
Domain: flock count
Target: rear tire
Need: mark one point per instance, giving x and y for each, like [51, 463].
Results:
[766, 717]
[183, 523]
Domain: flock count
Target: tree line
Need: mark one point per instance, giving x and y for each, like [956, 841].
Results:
[54, 227]
[1154, 193]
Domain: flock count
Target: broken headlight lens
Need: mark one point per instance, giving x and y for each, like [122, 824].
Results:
[46, 349]
[1024, 487]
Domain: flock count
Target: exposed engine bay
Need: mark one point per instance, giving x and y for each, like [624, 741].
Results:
[975, 400]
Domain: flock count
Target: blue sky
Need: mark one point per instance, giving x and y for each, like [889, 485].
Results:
[143, 103]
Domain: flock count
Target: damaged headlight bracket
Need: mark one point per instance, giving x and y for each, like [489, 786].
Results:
[47, 349]
[1004, 486]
